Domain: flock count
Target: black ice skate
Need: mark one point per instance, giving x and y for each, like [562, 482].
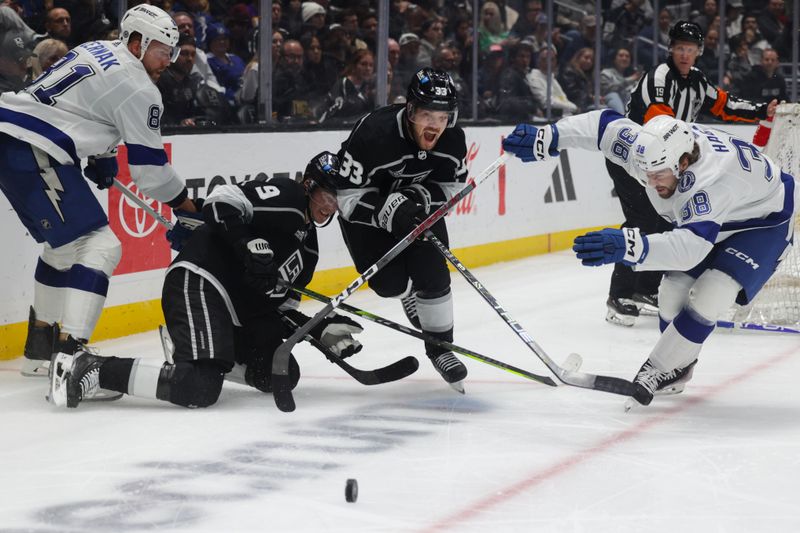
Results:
[621, 311]
[39, 347]
[451, 369]
[410, 308]
[74, 378]
[650, 381]
[646, 303]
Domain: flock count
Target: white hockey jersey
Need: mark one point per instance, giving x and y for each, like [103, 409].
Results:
[95, 97]
[732, 187]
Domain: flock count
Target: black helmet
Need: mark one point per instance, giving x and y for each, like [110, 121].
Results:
[686, 31]
[323, 171]
[434, 89]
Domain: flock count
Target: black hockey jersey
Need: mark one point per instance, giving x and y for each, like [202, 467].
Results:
[380, 157]
[273, 210]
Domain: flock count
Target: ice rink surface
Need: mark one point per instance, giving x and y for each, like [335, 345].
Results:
[510, 455]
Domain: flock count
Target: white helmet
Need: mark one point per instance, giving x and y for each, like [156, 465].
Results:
[661, 143]
[154, 24]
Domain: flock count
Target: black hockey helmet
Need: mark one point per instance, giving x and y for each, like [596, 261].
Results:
[435, 90]
[323, 172]
[686, 31]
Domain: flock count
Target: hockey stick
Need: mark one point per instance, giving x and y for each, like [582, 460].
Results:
[569, 377]
[141, 203]
[751, 326]
[386, 374]
[427, 338]
[282, 393]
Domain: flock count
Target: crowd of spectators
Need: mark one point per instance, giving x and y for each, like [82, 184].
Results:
[323, 52]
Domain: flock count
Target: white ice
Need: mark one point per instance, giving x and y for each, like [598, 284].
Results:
[511, 455]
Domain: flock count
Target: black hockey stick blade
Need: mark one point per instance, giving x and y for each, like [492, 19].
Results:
[568, 377]
[546, 380]
[280, 360]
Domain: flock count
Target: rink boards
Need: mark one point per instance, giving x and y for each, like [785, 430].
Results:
[523, 210]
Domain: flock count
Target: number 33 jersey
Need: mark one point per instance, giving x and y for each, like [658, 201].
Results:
[95, 97]
[732, 187]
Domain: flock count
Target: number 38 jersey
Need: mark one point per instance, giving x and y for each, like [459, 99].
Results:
[732, 187]
[94, 97]
[380, 157]
[273, 210]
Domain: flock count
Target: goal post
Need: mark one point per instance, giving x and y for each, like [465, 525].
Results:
[778, 302]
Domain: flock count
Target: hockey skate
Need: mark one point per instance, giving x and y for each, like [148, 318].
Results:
[646, 303]
[651, 381]
[410, 308]
[621, 311]
[74, 378]
[39, 347]
[451, 369]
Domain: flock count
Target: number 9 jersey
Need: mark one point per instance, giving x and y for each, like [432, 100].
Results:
[95, 97]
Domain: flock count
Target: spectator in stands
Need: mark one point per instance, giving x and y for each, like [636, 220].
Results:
[240, 28]
[319, 74]
[408, 63]
[733, 17]
[537, 83]
[87, 18]
[526, 24]
[352, 96]
[539, 41]
[738, 63]
[292, 19]
[14, 54]
[583, 37]
[514, 97]
[277, 46]
[661, 40]
[313, 16]
[489, 79]
[277, 14]
[10, 21]
[756, 43]
[491, 29]
[201, 19]
[623, 24]
[227, 67]
[577, 79]
[393, 52]
[289, 89]
[445, 58]
[617, 81]
[432, 37]
[58, 25]
[178, 86]
[772, 21]
[708, 14]
[335, 48]
[349, 21]
[368, 29]
[462, 38]
[708, 62]
[45, 54]
[185, 24]
[764, 83]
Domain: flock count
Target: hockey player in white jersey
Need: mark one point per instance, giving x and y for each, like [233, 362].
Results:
[100, 94]
[731, 206]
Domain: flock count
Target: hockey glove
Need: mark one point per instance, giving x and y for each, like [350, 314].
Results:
[399, 215]
[102, 170]
[260, 271]
[185, 224]
[609, 245]
[532, 143]
[336, 333]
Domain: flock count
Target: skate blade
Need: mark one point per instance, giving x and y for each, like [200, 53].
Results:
[630, 405]
[34, 368]
[458, 386]
[104, 395]
[675, 388]
[61, 368]
[620, 320]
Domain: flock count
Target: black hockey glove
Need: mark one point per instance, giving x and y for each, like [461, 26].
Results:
[260, 272]
[336, 332]
[102, 170]
[399, 215]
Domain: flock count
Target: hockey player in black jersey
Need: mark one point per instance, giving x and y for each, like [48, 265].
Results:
[221, 300]
[400, 163]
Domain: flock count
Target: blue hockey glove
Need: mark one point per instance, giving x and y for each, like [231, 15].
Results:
[102, 170]
[609, 245]
[184, 226]
[532, 143]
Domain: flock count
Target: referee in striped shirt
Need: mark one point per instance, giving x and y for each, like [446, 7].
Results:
[675, 88]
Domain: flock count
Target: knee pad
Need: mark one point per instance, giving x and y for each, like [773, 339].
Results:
[712, 294]
[259, 373]
[673, 293]
[192, 384]
[100, 250]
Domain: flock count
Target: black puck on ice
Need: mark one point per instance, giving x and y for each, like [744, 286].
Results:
[351, 490]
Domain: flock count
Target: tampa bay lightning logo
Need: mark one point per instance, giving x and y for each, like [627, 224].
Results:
[687, 181]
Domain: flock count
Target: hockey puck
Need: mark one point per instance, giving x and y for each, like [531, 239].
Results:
[351, 490]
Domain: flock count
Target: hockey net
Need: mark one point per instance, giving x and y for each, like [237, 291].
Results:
[778, 303]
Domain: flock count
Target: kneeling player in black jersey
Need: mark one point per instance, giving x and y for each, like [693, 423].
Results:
[221, 300]
[399, 164]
